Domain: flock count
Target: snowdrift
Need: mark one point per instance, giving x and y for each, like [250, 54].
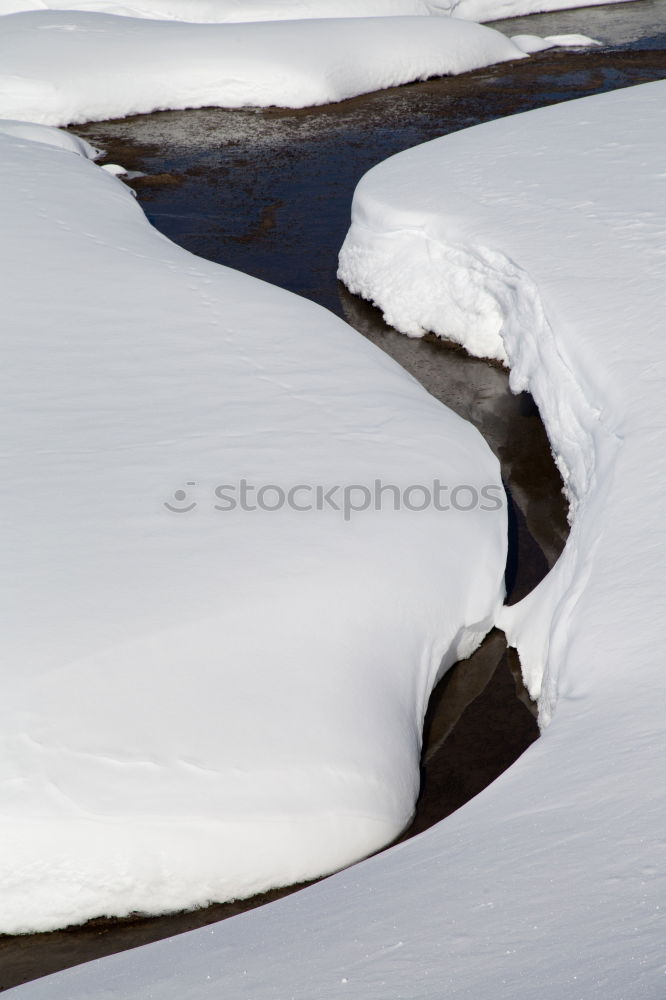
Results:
[204, 695]
[50, 136]
[224, 11]
[493, 10]
[232, 11]
[71, 67]
[547, 230]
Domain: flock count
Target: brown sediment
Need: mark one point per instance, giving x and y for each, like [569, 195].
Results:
[157, 180]
[267, 222]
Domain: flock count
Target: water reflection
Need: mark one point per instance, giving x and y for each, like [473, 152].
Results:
[479, 391]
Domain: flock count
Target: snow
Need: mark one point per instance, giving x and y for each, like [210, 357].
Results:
[116, 169]
[62, 68]
[51, 136]
[59, 68]
[230, 11]
[532, 43]
[494, 10]
[201, 703]
[221, 11]
[547, 230]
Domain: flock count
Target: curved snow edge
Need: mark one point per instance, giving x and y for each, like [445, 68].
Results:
[66, 67]
[48, 136]
[481, 299]
[109, 741]
[238, 11]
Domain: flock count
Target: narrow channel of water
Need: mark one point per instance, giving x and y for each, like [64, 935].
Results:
[268, 192]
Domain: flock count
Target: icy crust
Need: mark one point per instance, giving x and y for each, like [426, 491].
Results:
[200, 703]
[225, 11]
[59, 68]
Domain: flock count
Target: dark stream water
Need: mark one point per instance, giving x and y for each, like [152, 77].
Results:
[268, 192]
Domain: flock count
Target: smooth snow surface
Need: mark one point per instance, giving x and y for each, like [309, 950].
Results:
[221, 11]
[551, 226]
[532, 43]
[233, 11]
[51, 136]
[198, 704]
[59, 68]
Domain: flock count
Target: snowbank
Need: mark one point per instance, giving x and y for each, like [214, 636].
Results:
[532, 43]
[551, 227]
[549, 251]
[233, 11]
[200, 702]
[67, 67]
[51, 136]
[221, 11]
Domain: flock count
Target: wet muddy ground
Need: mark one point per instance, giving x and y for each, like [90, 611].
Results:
[268, 192]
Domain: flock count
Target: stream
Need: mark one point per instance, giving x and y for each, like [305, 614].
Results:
[268, 192]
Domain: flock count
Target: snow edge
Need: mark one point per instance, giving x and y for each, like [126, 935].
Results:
[481, 299]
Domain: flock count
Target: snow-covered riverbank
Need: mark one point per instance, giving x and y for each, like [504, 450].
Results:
[550, 882]
[62, 67]
[563, 240]
[229, 11]
[201, 702]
